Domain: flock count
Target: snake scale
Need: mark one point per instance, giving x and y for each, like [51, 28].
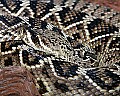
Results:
[72, 48]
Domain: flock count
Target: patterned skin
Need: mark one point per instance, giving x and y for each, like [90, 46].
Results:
[72, 49]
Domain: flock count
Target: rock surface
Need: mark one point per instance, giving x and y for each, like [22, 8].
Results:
[114, 4]
[16, 81]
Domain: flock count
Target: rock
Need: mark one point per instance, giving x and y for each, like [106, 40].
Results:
[17, 81]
